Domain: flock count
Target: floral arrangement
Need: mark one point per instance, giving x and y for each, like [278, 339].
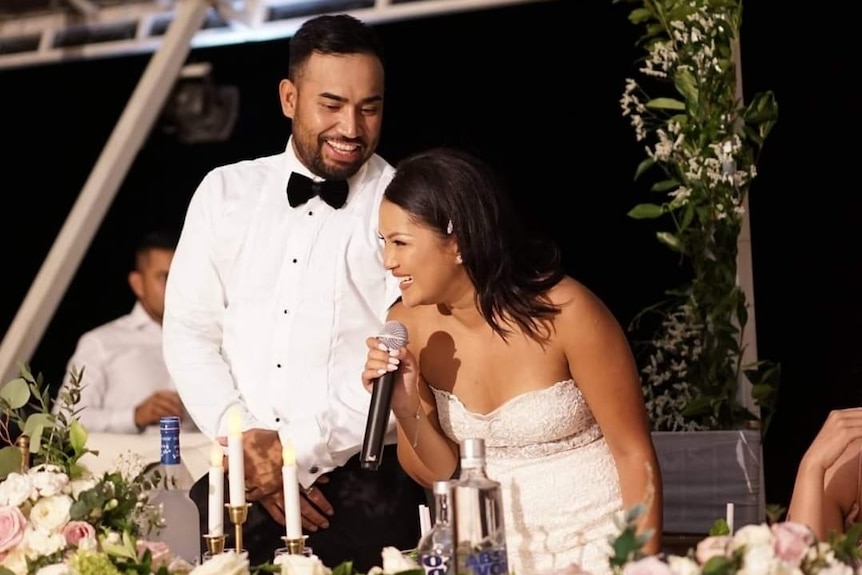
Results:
[56, 518]
[702, 143]
[765, 549]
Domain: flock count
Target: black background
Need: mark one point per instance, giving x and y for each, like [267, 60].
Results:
[535, 89]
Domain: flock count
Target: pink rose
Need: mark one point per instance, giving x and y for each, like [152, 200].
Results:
[12, 524]
[650, 565]
[76, 531]
[161, 553]
[714, 546]
[792, 541]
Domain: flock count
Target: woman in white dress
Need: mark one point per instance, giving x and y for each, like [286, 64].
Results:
[503, 345]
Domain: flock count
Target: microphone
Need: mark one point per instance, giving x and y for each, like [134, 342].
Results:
[394, 336]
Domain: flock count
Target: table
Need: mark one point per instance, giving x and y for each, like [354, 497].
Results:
[195, 450]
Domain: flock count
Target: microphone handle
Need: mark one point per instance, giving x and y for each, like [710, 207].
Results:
[378, 421]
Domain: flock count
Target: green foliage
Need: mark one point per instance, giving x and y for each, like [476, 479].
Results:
[25, 405]
[702, 147]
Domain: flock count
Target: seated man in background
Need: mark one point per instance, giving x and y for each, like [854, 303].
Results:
[125, 386]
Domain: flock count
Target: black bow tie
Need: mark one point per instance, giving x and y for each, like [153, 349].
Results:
[301, 188]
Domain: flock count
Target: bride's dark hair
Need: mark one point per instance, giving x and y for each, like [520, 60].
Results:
[453, 192]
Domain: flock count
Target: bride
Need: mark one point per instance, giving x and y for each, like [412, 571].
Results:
[504, 346]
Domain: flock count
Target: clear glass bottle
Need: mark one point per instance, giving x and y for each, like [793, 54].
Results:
[435, 552]
[478, 525]
[181, 529]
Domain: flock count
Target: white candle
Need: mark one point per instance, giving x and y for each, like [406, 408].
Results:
[292, 514]
[216, 492]
[235, 463]
[729, 517]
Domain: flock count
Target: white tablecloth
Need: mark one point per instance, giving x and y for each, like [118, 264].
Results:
[195, 450]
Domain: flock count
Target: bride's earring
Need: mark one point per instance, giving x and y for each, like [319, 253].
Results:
[458, 259]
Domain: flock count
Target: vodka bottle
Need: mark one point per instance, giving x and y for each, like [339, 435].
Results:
[435, 551]
[180, 528]
[478, 525]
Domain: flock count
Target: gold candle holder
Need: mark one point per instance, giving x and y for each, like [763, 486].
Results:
[238, 515]
[215, 543]
[294, 546]
[23, 444]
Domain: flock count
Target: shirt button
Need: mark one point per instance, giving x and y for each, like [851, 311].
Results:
[310, 213]
[313, 469]
[286, 311]
[294, 260]
[278, 365]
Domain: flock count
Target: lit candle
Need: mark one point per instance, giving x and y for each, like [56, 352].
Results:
[216, 491]
[292, 514]
[235, 463]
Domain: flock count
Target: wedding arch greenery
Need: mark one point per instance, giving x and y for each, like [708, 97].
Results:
[701, 144]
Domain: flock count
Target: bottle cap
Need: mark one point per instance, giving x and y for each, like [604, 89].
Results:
[472, 452]
[442, 487]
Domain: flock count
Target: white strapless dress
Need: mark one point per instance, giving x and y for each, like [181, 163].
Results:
[560, 486]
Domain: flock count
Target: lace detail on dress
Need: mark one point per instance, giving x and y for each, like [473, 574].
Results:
[534, 424]
[560, 485]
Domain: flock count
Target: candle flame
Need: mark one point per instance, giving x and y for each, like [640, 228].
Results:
[216, 455]
[288, 457]
[234, 421]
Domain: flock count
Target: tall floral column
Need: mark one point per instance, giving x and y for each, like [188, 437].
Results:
[701, 146]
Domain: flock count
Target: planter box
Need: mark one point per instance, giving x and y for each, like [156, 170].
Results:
[703, 471]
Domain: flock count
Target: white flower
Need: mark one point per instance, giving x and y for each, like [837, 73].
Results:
[394, 561]
[16, 560]
[39, 542]
[48, 479]
[683, 565]
[58, 569]
[130, 465]
[758, 560]
[301, 565]
[752, 536]
[51, 513]
[15, 489]
[228, 563]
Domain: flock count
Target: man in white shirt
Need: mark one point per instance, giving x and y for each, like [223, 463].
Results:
[126, 387]
[277, 281]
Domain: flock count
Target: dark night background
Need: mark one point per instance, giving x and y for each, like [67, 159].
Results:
[533, 88]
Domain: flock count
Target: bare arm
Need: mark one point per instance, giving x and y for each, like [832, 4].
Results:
[424, 451]
[827, 479]
[602, 364]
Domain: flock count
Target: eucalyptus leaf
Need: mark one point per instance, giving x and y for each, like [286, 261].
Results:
[665, 104]
[665, 185]
[16, 393]
[77, 437]
[645, 211]
[10, 460]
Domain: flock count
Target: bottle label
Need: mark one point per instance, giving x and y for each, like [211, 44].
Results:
[169, 428]
[434, 564]
[490, 562]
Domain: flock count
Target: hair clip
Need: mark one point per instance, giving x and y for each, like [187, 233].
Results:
[449, 228]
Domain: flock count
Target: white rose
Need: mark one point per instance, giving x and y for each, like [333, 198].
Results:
[301, 565]
[51, 513]
[39, 542]
[758, 560]
[228, 563]
[58, 569]
[683, 565]
[394, 561]
[48, 480]
[16, 560]
[752, 536]
[15, 489]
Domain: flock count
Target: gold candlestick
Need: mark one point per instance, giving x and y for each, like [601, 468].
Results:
[215, 543]
[23, 444]
[294, 546]
[238, 515]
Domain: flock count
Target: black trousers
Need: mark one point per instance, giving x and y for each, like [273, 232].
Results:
[373, 510]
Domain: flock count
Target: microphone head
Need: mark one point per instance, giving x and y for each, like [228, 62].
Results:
[394, 335]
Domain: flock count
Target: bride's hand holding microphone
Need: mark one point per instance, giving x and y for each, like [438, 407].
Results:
[402, 364]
